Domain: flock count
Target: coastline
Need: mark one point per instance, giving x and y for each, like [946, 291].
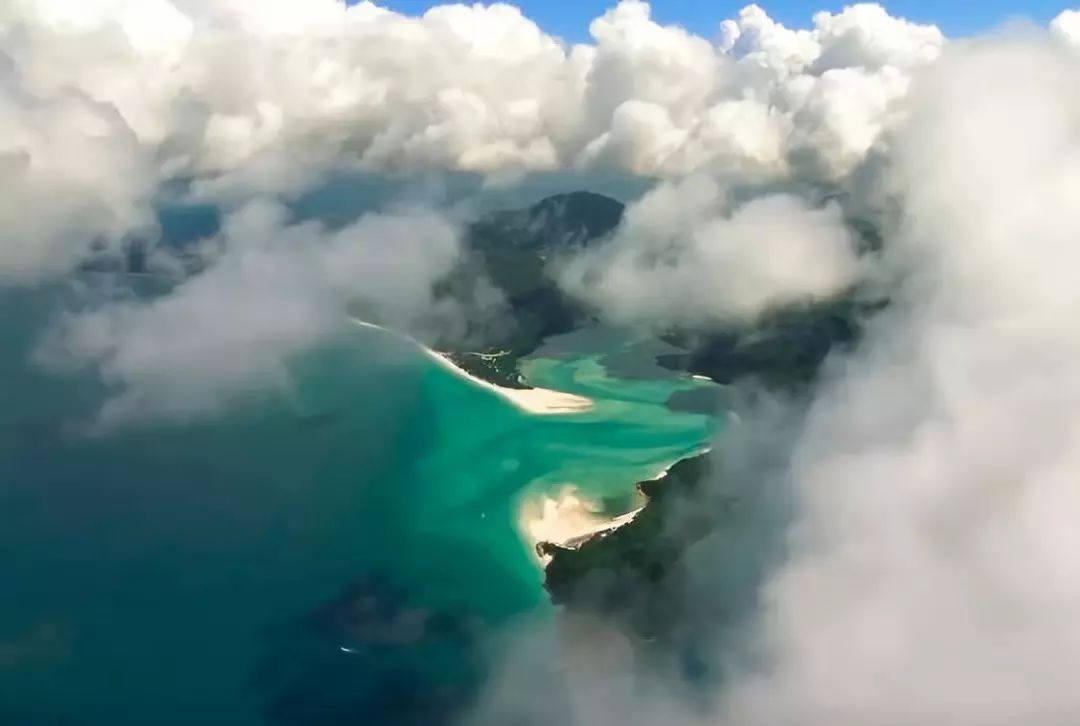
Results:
[565, 520]
[540, 401]
[566, 523]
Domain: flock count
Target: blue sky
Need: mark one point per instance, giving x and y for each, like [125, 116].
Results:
[570, 18]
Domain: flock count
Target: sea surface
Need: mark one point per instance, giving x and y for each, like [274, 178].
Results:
[342, 554]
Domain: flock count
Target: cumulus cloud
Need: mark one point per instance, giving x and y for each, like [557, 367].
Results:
[273, 290]
[932, 575]
[687, 253]
[246, 99]
[1066, 26]
[72, 175]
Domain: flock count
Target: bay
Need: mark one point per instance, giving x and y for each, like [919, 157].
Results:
[340, 552]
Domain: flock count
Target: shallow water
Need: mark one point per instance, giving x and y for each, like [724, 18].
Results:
[338, 555]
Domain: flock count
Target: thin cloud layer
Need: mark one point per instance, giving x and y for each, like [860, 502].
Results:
[274, 290]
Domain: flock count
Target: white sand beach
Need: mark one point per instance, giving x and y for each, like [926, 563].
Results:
[534, 400]
[566, 520]
[541, 401]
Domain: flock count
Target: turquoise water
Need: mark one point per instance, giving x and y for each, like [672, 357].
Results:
[338, 555]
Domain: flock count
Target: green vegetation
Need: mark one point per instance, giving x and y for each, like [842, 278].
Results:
[634, 575]
[500, 368]
[632, 572]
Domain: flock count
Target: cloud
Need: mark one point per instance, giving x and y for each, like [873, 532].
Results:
[687, 253]
[931, 575]
[866, 36]
[274, 290]
[1066, 26]
[72, 174]
[250, 99]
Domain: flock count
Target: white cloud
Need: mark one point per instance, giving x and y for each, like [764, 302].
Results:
[274, 290]
[932, 575]
[71, 173]
[755, 38]
[266, 97]
[686, 253]
[866, 36]
[1066, 26]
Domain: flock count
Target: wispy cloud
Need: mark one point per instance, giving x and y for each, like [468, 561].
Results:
[274, 290]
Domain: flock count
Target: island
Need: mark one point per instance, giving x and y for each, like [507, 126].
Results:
[631, 573]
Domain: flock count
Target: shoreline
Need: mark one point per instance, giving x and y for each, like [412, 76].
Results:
[565, 520]
[540, 401]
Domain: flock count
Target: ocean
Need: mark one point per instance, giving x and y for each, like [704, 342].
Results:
[342, 554]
